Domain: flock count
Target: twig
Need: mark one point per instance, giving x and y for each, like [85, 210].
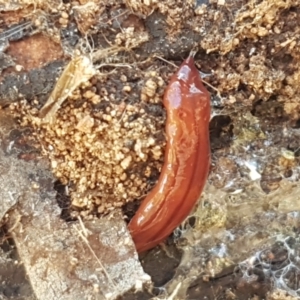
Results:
[83, 234]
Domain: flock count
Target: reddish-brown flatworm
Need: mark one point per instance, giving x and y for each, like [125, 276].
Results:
[187, 160]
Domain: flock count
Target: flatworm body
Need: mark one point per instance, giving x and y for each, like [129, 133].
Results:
[186, 164]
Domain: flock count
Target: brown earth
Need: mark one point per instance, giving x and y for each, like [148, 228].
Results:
[250, 53]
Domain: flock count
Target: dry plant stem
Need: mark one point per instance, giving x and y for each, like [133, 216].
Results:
[103, 53]
[83, 234]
